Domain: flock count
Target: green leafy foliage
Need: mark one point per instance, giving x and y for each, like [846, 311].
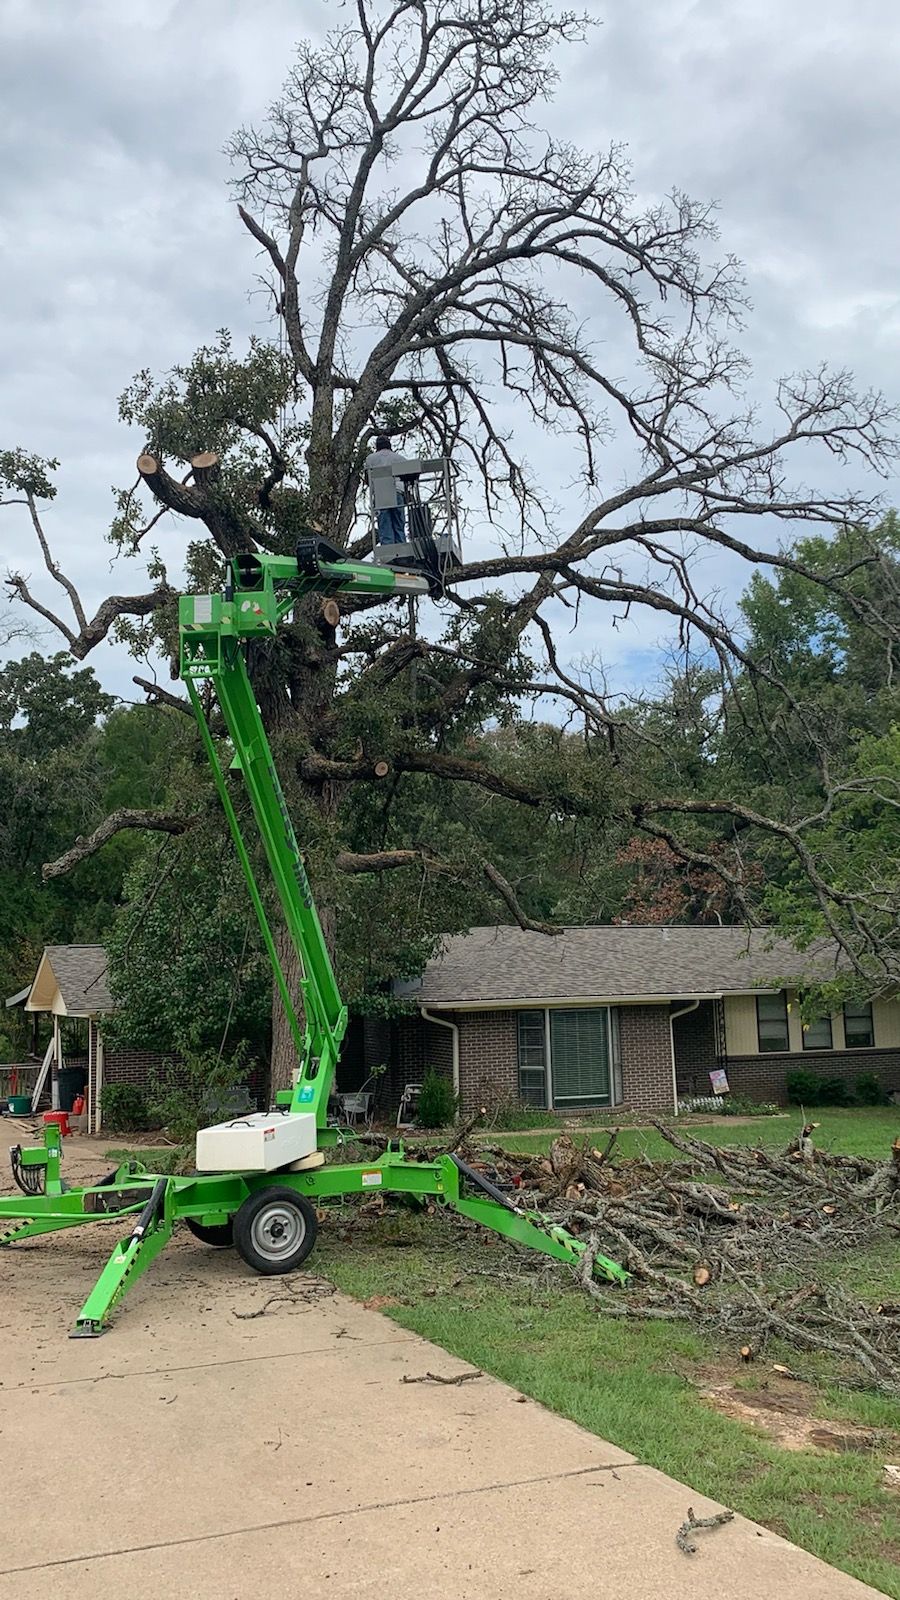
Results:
[186, 963]
[740, 1105]
[68, 755]
[437, 1102]
[28, 474]
[868, 1090]
[197, 1090]
[124, 1107]
[813, 1089]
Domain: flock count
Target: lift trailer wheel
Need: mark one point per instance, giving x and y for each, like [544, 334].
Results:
[219, 1234]
[274, 1230]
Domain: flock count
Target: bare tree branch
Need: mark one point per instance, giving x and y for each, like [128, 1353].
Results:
[116, 822]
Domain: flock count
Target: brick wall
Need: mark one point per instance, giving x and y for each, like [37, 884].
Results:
[645, 1048]
[695, 1048]
[415, 1046]
[140, 1067]
[764, 1077]
[488, 1058]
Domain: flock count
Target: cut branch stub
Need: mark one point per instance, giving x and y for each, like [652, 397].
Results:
[205, 467]
[381, 769]
[331, 613]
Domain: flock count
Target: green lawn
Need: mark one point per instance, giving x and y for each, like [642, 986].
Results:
[641, 1385]
[863, 1132]
[638, 1384]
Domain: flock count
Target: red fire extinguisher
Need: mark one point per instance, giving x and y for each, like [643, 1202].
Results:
[78, 1106]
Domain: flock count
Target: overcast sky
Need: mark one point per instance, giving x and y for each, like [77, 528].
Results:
[119, 247]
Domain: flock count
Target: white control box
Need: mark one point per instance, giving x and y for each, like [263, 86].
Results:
[261, 1142]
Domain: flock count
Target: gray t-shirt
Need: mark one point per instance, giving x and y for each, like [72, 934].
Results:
[386, 458]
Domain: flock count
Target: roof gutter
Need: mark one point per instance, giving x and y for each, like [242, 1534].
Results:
[672, 1016]
[542, 1002]
[442, 1022]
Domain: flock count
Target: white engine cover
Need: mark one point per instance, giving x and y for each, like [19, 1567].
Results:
[259, 1143]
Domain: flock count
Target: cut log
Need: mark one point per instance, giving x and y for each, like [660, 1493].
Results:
[381, 769]
[702, 1274]
[205, 467]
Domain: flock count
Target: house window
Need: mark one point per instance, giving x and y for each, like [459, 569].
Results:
[859, 1028]
[532, 1058]
[772, 1022]
[569, 1059]
[817, 1035]
[580, 1057]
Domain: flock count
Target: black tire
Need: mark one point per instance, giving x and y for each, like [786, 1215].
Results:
[274, 1230]
[219, 1234]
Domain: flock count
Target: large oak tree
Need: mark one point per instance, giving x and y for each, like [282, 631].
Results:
[441, 267]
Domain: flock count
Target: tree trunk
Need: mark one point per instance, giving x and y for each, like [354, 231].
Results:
[283, 1058]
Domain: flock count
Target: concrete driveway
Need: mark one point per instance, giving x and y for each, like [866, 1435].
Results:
[234, 1436]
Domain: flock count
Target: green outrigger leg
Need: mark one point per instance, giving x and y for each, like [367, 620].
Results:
[272, 1213]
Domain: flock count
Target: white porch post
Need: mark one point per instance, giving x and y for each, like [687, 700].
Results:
[57, 1063]
[97, 1118]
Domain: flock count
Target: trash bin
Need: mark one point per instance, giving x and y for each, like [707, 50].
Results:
[71, 1082]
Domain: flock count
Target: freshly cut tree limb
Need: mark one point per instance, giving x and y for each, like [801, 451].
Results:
[322, 769]
[116, 822]
[179, 497]
[231, 530]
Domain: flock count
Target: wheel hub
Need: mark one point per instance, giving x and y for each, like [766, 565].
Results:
[278, 1231]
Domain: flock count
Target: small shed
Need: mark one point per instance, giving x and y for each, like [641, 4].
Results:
[71, 983]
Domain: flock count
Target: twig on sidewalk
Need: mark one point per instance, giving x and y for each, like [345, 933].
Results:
[682, 1537]
[435, 1377]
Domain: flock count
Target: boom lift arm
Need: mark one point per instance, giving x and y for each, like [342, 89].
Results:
[263, 1202]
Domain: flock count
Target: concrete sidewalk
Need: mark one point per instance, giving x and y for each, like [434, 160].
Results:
[243, 1437]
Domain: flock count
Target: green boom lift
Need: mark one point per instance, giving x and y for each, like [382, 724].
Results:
[259, 1177]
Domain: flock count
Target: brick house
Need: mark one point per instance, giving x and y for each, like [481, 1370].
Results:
[635, 1017]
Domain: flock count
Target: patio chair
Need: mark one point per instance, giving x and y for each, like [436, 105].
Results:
[356, 1107]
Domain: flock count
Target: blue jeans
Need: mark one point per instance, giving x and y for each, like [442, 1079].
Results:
[392, 524]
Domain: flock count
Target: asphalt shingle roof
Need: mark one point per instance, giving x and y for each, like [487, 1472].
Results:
[492, 965]
[81, 972]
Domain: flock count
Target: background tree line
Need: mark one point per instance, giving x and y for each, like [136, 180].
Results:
[172, 907]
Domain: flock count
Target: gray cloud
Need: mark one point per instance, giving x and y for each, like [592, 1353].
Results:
[119, 248]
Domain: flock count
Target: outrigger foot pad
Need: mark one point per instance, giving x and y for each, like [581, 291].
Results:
[87, 1330]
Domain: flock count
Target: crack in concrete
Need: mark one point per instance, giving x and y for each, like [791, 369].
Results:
[319, 1516]
[199, 1366]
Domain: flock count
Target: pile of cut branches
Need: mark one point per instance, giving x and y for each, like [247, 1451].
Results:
[739, 1241]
